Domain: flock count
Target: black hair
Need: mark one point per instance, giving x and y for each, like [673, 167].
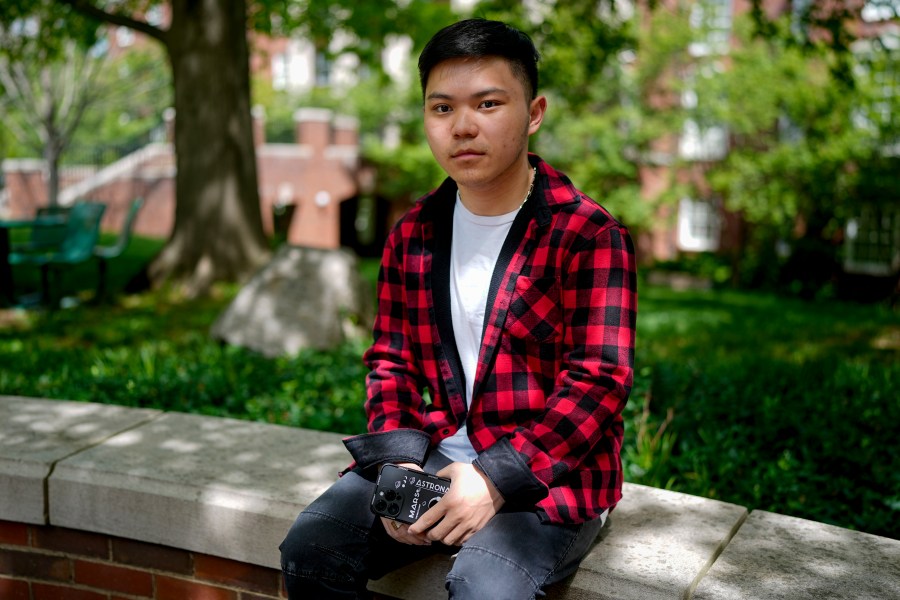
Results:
[478, 38]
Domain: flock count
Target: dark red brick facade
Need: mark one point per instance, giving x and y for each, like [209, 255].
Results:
[51, 563]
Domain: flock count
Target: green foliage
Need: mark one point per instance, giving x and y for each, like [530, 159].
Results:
[809, 149]
[751, 400]
[48, 58]
[137, 89]
[37, 29]
[153, 352]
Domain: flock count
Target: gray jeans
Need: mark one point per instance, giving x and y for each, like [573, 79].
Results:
[336, 545]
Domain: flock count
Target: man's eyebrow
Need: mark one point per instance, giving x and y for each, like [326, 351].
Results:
[478, 94]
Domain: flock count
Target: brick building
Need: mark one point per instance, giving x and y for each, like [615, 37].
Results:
[699, 222]
[308, 179]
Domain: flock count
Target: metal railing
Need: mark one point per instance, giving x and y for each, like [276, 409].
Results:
[106, 154]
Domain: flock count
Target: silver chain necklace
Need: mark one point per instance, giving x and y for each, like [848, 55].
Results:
[530, 187]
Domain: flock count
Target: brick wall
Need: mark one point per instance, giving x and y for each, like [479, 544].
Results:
[53, 563]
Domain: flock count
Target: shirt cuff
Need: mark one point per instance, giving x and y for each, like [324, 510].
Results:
[510, 474]
[398, 445]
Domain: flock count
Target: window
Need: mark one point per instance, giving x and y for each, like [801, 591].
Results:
[788, 131]
[292, 68]
[124, 37]
[155, 16]
[323, 68]
[878, 72]
[711, 19]
[699, 225]
[873, 242]
[886, 81]
[279, 71]
[880, 10]
[703, 143]
[800, 10]
[700, 139]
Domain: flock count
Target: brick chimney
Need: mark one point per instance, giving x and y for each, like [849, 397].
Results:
[346, 131]
[169, 120]
[313, 126]
[258, 114]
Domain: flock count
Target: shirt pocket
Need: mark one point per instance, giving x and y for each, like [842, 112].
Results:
[534, 312]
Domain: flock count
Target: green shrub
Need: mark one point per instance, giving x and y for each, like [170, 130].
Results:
[770, 403]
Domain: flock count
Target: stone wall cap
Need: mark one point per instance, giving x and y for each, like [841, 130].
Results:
[36, 434]
[232, 488]
[346, 122]
[655, 545]
[23, 164]
[321, 115]
[776, 556]
[198, 483]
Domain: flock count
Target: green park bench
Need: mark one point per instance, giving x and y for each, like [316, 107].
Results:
[82, 230]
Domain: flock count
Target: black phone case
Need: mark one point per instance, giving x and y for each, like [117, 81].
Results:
[404, 494]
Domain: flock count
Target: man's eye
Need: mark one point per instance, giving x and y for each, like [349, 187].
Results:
[489, 104]
[441, 108]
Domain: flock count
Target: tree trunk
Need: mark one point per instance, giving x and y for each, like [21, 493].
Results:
[51, 158]
[218, 232]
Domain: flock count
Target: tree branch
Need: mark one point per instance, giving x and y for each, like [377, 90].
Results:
[84, 93]
[86, 7]
[17, 83]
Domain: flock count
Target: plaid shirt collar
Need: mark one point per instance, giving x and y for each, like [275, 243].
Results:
[552, 189]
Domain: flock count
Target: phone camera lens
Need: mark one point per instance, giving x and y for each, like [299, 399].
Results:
[390, 495]
[393, 509]
[380, 505]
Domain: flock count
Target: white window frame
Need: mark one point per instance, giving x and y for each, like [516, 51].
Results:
[713, 20]
[884, 78]
[702, 143]
[878, 228]
[699, 225]
[324, 69]
[699, 142]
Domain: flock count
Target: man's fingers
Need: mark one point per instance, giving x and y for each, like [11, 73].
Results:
[427, 520]
[400, 532]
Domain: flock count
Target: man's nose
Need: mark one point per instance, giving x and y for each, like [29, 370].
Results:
[464, 125]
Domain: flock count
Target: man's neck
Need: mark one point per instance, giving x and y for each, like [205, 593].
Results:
[504, 195]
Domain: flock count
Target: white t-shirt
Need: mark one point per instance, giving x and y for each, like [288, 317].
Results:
[476, 245]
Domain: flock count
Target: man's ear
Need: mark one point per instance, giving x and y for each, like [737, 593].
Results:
[537, 109]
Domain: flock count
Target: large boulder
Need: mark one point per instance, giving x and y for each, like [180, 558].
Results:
[304, 298]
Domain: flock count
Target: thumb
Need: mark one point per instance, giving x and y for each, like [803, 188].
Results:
[448, 471]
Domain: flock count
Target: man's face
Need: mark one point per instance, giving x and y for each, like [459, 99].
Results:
[477, 121]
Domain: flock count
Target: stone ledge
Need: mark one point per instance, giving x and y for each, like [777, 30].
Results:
[231, 489]
[36, 434]
[780, 557]
[656, 544]
[218, 486]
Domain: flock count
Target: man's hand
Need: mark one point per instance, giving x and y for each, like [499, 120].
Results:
[400, 531]
[467, 507]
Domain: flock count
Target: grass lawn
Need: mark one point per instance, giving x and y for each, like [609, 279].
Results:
[767, 402]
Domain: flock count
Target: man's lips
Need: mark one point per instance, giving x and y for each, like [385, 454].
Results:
[466, 153]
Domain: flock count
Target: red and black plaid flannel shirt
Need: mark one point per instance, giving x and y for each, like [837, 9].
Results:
[555, 367]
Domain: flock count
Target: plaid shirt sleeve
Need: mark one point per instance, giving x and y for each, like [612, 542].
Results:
[395, 406]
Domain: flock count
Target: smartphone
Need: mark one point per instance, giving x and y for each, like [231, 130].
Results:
[404, 494]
